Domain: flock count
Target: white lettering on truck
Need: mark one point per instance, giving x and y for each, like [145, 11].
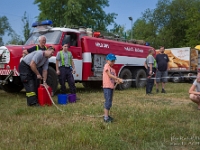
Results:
[134, 49]
[104, 45]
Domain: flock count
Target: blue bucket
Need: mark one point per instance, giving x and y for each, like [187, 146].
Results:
[62, 99]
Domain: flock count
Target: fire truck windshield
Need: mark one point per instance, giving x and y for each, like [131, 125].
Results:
[52, 37]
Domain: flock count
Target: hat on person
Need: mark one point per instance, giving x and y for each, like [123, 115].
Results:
[111, 57]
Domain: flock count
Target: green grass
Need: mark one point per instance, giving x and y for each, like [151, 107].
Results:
[156, 122]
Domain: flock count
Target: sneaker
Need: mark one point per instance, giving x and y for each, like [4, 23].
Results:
[107, 120]
[157, 90]
[149, 93]
[35, 105]
[111, 118]
[163, 91]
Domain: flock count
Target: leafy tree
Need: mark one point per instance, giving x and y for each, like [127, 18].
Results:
[173, 23]
[146, 28]
[143, 30]
[4, 27]
[186, 28]
[193, 21]
[76, 13]
[15, 39]
[118, 31]
[26, 26]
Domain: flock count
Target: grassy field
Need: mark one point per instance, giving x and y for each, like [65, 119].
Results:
[156, 122]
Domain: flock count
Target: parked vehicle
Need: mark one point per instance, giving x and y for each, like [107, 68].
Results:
[183, 63]
[89, 50]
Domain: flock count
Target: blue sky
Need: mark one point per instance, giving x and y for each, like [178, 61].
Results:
[14, 10]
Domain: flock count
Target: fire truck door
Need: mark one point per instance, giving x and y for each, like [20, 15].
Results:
[77, 58]
[99, 62]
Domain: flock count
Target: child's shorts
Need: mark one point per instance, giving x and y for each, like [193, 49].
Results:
[108, 95]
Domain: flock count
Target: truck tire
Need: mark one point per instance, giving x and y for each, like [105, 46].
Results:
[52, 79]
[125, 74]
[176, 78]
[13, 87]
[92, 84]
[137, 75]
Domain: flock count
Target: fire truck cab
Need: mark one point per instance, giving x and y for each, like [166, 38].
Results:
[89, 50]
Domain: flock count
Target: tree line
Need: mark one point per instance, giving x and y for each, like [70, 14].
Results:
[5, 29]
[173, 23]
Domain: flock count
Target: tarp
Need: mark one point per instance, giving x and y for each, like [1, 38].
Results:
[197, 47]
[183, 58]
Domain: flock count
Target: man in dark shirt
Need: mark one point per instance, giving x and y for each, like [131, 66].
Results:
[161, 73]
[40, 46]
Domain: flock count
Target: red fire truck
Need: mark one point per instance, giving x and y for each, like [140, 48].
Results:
[89, 50]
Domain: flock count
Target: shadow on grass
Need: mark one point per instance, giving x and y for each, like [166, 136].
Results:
[21, 93]
[81, 90]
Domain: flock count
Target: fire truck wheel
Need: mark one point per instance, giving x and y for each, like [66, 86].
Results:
[52, 79]
[13, 87]
[125, 74]
[137, 74]
[176, 78]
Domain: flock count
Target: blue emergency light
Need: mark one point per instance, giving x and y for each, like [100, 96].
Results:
[147, 44]
[42, 23]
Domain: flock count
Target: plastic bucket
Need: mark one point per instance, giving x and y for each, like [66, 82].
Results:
[62, 99]
[72, 98]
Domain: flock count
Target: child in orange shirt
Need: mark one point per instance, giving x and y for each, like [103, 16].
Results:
[109, 79]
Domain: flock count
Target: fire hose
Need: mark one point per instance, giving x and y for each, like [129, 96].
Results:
[51, 98]
[63, 110]
[124, 80]
[127, 80]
